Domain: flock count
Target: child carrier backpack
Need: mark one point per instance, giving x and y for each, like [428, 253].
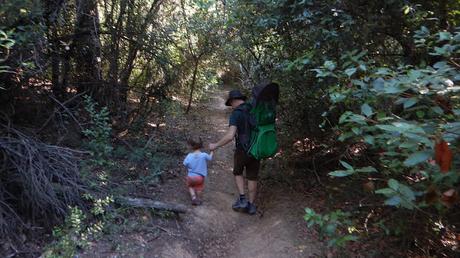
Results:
[258, 135]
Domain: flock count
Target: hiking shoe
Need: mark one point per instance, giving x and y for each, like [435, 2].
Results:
[196, 202]
[241, 204]
[252, 209]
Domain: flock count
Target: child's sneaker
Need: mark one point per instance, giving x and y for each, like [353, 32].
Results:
[196, 201]
[241, 204]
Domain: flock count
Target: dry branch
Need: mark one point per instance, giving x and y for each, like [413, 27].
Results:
[38, 181]
[148, 203]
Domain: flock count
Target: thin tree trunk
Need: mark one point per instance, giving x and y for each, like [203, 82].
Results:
[443, 21]
[192, 86]
[133, 50]
[55, 65]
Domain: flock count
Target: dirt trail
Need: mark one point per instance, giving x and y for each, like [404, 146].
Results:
[215, 230]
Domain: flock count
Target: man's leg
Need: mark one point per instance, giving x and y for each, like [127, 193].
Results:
[239, 180]
[252, 187]
[252, 173]
[241, 202]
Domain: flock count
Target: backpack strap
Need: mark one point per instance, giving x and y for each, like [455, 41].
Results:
[243, 135]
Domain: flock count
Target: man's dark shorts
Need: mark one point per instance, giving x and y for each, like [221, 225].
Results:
[241, 160]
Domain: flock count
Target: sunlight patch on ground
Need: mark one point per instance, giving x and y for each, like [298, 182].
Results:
[154, 125]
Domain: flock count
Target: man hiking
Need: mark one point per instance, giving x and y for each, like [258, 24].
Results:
[238, 129]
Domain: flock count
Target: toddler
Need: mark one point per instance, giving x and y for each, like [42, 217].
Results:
[195, 162]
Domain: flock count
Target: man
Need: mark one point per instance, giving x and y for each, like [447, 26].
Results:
[238, 129]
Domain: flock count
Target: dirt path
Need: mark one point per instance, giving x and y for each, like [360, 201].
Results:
[215, 230]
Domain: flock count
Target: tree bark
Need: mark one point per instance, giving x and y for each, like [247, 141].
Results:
[443, 13]
[148, 203]
[55, 65]
[87, 48]
[133, 49]
[192, 85]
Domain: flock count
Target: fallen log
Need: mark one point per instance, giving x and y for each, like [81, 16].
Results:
[149, 203]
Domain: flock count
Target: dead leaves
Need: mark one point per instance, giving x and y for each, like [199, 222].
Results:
[447, 198]
[443, 156]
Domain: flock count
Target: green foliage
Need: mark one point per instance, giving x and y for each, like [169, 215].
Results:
[79, 228]
[98, 133]
[336, 226]
[425, 108]
[350, 170]
[6, 43]
[389, 85]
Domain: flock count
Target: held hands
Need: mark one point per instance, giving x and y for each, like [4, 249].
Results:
[212, 146]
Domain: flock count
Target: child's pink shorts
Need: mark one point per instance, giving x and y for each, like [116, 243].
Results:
[196, 182]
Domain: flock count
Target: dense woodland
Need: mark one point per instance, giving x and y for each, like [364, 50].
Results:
[369, 111]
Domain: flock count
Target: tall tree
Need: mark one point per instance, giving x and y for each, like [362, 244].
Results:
[87, 48]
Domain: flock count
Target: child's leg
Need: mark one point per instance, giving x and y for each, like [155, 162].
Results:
[199, 194]
[192, 193]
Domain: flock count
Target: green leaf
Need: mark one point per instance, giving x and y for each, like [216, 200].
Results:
[420, 113]
[350, 71]
[358, 119]
[410, 102]
[406, 10]
[356, 130]
[336, 97]
[393, 201]
[406, 192]
[366, 170]
[417, 158]
[444, 36]
[346, 165]
[389, 128]
[366, 110]
[385, 191]
[408, 145]
[413, 128]
[341, 173]
[330, 65]
[391, 89]
[344, 117]
[437, 110]
[393, 184]
[369, 139]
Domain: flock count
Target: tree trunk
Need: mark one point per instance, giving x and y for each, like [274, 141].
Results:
[192, 86]
[87, 48]
[133, 49]
[443, 13]
[114, 66]
[55, 65]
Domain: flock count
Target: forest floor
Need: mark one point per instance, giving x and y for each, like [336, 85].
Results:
[214, 229]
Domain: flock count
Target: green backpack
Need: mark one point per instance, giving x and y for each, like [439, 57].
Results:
[263, 114]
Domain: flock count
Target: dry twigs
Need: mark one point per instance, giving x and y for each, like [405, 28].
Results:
[37, 181]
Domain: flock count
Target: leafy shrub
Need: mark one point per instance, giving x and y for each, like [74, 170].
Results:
[5, 45]
[98, 133]
[336, 226]
[79, 228]
[404, 115]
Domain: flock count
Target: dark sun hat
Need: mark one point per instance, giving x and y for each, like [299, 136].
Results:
[234, 94]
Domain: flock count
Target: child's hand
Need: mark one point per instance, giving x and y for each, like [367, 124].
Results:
[212, 146]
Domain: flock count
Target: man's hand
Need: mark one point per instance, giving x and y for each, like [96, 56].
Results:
[212, 146]
[228, 137]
